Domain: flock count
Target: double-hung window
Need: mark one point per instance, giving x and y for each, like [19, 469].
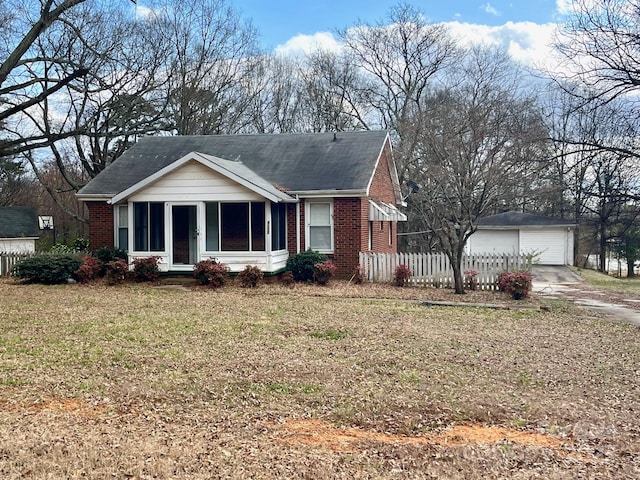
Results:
[320, 226]
[122, 227]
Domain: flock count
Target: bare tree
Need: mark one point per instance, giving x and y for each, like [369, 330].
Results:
[594, 185]
[601, 43]
[273, 90]
[601, 46]
[28, 78]
[402, 56]
[331, 93]
[212, 51]
[478, 143]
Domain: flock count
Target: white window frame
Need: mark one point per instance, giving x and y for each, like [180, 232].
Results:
[308, 225]
[120, 224]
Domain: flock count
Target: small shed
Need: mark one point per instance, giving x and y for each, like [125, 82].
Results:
[18, 229]
[551, 239]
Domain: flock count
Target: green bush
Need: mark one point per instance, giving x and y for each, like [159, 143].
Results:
[210, 272]
[47, 268]
[79, 245]
[146, 269]
[106, 254]
[250, 277]
[302, 265]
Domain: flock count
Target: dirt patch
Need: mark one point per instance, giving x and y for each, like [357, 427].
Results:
[65, 406]
[317, 433]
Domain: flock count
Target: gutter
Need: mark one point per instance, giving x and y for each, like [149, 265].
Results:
[93, 197]
[327, 193]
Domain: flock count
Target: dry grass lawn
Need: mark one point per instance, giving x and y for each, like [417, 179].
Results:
[339, 382]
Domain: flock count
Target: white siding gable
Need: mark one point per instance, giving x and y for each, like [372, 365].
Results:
[194, 182]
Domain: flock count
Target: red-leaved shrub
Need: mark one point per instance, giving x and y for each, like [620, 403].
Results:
[323, 271]
[401, 275]
[146, 269]
[116, 271]
[90, 269]
[211, 272]
[517, 284]
[250, 277]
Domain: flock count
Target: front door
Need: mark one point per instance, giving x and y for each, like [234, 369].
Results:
[184, 220]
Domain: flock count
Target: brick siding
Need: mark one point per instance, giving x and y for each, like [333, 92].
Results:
[101, 233]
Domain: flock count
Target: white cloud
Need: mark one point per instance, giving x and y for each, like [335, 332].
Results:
[565, 7]
[146, 13]
[527, 42]
[487, 7]
[305, 44]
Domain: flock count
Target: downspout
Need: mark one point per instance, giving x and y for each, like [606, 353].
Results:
[298, 224]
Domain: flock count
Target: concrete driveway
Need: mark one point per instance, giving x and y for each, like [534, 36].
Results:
[561, 282]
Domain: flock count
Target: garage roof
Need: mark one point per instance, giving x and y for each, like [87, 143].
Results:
[521, 219]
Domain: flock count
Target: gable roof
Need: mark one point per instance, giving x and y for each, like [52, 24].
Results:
[293, 162]
[521, 219]
[235, 171]
[18, 222]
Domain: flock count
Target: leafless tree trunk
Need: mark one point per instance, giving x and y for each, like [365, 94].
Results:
[476, 146]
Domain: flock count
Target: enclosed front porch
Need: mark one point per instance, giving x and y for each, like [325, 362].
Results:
[181, 234]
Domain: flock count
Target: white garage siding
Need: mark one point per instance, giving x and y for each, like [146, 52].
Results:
[551, 245]
[554, 246]
[17, 245]
[494, 241]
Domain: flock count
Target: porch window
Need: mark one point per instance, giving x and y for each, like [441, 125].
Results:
[235, 227]
[257, 227]
[320, 226]
[279, 226]
[213, 227]
[122, 227]
[148, 220]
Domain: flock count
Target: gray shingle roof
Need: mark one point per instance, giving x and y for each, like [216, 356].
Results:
[520, 219]
[295, 162]
[18, 222]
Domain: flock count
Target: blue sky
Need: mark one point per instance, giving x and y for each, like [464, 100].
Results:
[281, 20]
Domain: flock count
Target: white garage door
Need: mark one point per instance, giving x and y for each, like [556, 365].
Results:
[494, 241]
[550, 244]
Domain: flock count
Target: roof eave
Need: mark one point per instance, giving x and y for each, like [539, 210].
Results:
[19, 238]
[93, 197]
[328, 193]
[511, 227]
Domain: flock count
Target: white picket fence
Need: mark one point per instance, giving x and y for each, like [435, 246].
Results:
[9, 259]
[434, 269]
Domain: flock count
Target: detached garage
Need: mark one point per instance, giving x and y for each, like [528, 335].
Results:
[18, 229]
[517, 232]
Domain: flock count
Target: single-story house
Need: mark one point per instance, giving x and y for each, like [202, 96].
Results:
[18, 229]
[551, 239]
[248, 199]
